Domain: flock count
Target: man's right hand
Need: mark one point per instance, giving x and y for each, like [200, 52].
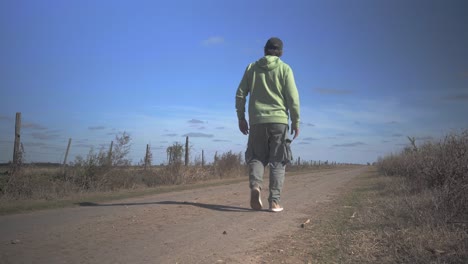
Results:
[244, 127]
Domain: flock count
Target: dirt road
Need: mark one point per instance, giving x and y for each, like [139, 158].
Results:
[208, 225]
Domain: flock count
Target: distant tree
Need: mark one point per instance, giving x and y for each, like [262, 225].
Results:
[175, 154]
[121, 149]
[413, 144]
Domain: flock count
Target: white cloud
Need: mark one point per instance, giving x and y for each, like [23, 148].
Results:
[44, 136]
[462, 97]
[33, 126]
[195, 134]
[215, 40]
[332, 91]
[353, 144]
[221, 140]
[195, 121]
[4, 117]
[170, 135]
[309, 139]
[96, 127]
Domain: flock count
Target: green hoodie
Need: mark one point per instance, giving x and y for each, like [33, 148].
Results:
[273, 93]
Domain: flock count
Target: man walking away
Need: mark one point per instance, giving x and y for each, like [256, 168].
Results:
[273, 100]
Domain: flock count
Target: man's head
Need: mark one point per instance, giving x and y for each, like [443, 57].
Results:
[274, 46]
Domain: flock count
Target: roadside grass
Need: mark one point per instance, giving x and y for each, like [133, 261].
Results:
[12, 206]
[375, 219]
[27, 205]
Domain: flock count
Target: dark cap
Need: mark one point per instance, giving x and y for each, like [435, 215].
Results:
[274, 43]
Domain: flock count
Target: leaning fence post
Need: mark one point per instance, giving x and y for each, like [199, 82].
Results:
[66, 153]
[17, 144]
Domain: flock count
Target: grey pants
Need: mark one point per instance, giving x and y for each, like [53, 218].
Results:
[268, 145]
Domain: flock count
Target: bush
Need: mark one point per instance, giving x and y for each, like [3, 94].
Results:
[228, 165]
[441, 167]
[32, 182]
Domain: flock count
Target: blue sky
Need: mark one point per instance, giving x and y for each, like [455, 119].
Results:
[369, 73]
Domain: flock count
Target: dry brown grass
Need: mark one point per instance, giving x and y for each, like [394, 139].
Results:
[441, 167]
[92, 175]
[377, 219]
[395, 225]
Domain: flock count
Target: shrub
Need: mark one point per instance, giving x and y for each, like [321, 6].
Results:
[441, 167]
[175, 153]
[32, 182]
[228, 165]
[121, 150]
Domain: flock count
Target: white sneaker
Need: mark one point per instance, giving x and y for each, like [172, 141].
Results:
[275, 207]
[255, 199]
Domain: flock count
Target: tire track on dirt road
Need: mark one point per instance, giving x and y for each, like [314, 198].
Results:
[206, 225]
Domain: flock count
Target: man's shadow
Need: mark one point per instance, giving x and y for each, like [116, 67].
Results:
[216, 207]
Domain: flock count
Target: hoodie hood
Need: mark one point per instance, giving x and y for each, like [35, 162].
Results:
[269, 62]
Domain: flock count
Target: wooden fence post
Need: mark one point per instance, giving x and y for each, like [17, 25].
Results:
[66, 153]
[202, 158]
[17, 144]
[169, 155]
[186, 151]
[147, 156]
[109, 156]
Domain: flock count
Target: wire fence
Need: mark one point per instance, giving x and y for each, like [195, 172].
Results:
[47, 149]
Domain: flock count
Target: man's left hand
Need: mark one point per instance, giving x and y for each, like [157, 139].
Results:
[295, 132]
